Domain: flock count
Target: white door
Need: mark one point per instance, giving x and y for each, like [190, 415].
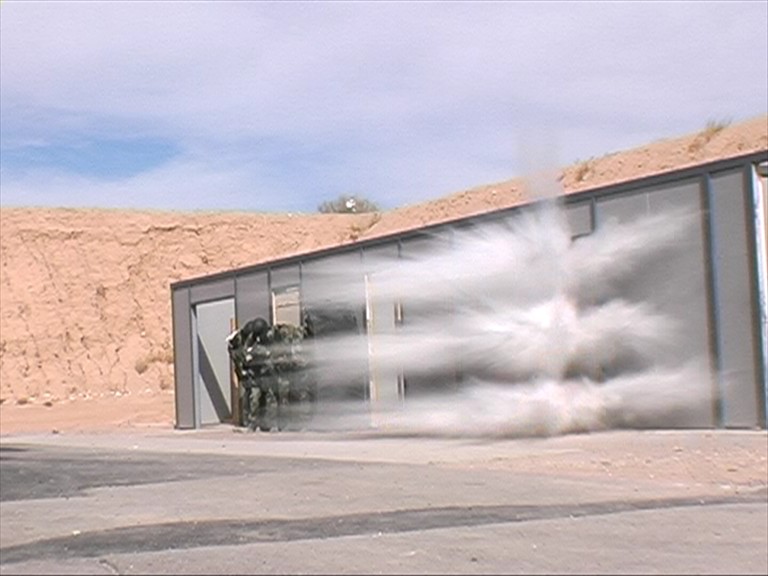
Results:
[213, 325]
[385, 383]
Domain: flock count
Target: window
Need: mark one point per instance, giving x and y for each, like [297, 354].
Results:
[286, 306]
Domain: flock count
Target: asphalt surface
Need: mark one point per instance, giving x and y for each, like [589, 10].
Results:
[216, 502]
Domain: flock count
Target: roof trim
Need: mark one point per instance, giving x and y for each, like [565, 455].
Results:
[659, 178]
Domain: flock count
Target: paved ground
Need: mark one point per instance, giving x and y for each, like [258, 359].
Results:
[218, 501]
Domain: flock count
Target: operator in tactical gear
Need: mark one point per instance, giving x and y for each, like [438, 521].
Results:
[272, 371]
[251, 357]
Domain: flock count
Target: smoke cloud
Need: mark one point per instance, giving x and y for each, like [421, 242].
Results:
[534, 322]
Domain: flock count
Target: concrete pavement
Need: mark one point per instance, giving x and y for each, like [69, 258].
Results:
[219, 501]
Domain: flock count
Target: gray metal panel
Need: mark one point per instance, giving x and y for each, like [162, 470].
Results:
[183, 373]
[427, 313]
[422, 245]
[284, 276]
[216, 290]
[333, 294]
[680, 291]
[380, 258]
[423, 249]
[672, 280]
[760, 215]
[579, 217]
[213, 364]
[678, 279]
[252, 297]
[336, 279]
[736, 311]
[622, 208]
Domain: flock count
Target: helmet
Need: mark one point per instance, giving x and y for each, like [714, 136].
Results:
[255, 330]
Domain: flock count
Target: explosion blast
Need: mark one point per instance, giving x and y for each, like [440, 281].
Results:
[538, 325]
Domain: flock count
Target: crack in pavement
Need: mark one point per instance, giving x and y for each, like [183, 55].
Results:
[195, 534]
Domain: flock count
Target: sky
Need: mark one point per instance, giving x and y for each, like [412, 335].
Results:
[279, 106]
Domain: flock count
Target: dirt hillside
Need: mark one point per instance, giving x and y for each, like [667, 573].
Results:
[85, 318]
[713, 142]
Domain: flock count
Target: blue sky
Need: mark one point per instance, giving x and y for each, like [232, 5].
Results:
[277, 106]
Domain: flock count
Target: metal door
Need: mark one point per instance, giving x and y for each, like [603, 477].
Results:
[213, 321]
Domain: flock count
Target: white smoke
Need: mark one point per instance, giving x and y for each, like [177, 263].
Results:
[535, 321]
[546, 407]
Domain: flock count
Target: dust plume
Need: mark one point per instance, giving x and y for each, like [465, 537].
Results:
[514, 329]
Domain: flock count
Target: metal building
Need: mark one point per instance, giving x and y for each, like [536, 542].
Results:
[722, 295]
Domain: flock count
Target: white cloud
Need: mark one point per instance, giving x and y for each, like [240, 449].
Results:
[402, 99]
[184, 184]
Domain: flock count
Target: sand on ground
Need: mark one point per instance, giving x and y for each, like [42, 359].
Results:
[85, 301]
